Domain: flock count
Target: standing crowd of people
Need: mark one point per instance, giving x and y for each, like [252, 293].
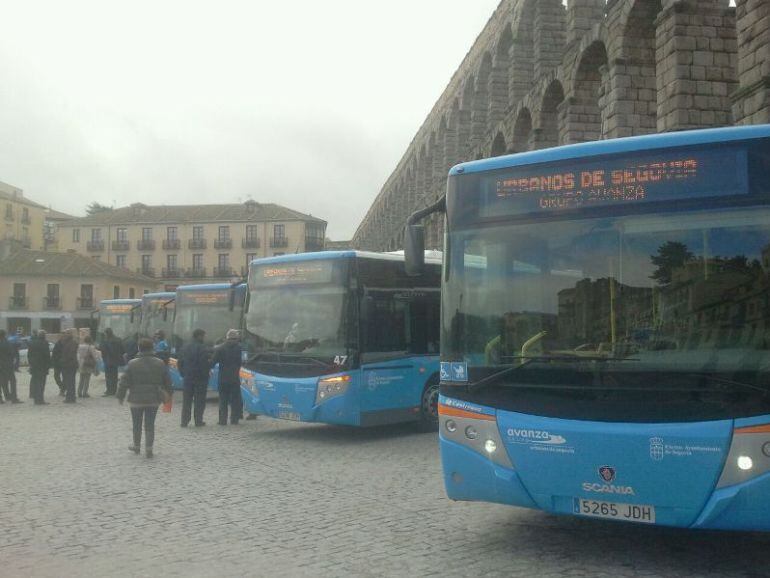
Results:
[146, 381]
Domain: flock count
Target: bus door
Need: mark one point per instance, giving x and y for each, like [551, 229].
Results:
[391, 376]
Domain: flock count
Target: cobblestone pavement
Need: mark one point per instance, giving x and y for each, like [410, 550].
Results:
[271, 498]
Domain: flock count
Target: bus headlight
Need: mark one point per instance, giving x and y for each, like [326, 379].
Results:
[330, 387]
[490, 446]
[745, 463]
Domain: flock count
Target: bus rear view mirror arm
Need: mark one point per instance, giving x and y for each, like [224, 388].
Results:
[414, 238]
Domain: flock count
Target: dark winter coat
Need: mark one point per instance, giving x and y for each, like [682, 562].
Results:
[112, 351]
[145, 378]
[195, 363]
[69, 353]
[228, 357]
[9, 356]
[39, 356]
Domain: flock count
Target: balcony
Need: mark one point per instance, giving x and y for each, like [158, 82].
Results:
[196, 244]
[95, 246]
[223, 243]
[17, 302]
[171, 273]
[146, 271]
[196, 273]
[145, 245]
[223, 272]
[85, 302]
[314, 244]
[121, 246]
[171, 244]
[52, 303]
[250, 243]
[279, 242]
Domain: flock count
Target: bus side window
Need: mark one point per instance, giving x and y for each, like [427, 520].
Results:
[387, 326]
[425, 322]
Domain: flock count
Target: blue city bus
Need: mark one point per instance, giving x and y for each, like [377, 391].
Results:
[605, 344]
[123, 316]
[215, 308]
[157, 314]
[342, 338]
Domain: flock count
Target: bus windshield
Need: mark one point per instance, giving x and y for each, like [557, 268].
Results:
[208, 310]
[120, 323]
[157, 314]
[298, 318]
[646, 317]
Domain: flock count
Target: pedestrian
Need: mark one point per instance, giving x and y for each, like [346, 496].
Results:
[88, 363]
[9, 364]
[39, 357]
[228, 357]
[113, 357]
[132, 347]
[148, 384]
[162, 350]
[69, 364]
[194, 366]
[32, 337]
[56, 365]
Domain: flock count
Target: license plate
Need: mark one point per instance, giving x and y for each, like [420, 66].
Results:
[290, 415]
[615, 511]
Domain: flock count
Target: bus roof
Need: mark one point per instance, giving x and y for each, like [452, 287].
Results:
[120, 301]
[210, 287]
[161, 295]
[614, 146]
[326, 255]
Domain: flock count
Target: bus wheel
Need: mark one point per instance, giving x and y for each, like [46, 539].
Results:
[429, 408]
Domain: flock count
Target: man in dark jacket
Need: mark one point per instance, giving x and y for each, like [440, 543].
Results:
[147, 382]
[228, 357]
[112, 356]
[69, 364]
[39, 357]
[194, 366]
[56, 365]
[9, 363]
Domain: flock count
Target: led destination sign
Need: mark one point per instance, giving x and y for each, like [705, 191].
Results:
[118, 309]
[642, 178]
[205, 297]
[290, 274]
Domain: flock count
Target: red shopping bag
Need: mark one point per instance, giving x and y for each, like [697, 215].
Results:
[168, 400]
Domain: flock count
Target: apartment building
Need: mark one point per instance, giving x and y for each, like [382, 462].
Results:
[21, 220]
[53, 291]
[188, 244]
[51, 226]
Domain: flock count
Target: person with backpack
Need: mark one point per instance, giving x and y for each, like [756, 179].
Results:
[228, 357]
[88, 359]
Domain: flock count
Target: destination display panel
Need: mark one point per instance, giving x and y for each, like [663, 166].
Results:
[204, 297]
[640, 178]
[311, 272]
[118, 308]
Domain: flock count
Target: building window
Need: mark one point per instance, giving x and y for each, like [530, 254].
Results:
[25, 215]
[224, 233]
[76, 235]
[9, 211]
[146, 262]
[279, 231]
[120, 261]
[197, 232]
[251, 232]
[147, 234]
[172, 233]
[52, 296]
[116, 292]
[197, 262]
[171, 262]
[19, 298]
[131, 293]
[96, 235]
[223, 263]
[86, 296]
[122, 235]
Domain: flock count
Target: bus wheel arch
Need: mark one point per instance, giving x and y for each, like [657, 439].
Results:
[429, 403]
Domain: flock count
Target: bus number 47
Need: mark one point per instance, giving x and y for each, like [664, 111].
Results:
[340, 359]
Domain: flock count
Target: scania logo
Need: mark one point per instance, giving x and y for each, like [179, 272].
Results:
[608, 489]
[607, 473]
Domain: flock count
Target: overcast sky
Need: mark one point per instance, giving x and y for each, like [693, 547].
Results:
[308, 104]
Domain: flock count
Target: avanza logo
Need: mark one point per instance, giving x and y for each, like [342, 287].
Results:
[534, 436]
[608, 489]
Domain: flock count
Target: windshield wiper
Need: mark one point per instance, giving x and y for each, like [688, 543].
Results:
[311, 359]
[526, 360]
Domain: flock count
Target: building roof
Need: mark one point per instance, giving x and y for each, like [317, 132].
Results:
[54, 215]
[11, 193]
[139, 213]
[23, 262]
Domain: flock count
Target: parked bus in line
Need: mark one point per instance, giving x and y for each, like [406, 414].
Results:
[215, 308]
[123, 316]
[342, 338]
[157, 313]
[605, 346]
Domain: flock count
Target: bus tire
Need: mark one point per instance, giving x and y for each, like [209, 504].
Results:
[429, 406]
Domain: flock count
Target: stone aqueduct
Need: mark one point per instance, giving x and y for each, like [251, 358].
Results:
[542, 74]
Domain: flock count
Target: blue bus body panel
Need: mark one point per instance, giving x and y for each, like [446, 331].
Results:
[377, 394]
[673, 467]
[615, 146]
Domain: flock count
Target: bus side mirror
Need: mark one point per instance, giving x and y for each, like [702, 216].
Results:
[232, 299]
[414, 250]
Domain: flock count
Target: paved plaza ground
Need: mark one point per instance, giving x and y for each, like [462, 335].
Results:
[269, 498]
